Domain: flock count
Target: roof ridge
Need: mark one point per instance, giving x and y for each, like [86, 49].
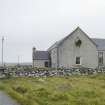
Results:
[59, 41]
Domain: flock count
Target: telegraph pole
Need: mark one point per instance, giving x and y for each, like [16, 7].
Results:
[18, 60]
[2, 50]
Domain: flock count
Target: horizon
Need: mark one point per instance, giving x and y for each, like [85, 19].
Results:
[28, 23]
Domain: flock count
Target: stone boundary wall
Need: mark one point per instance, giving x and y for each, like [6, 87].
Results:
[44, 72]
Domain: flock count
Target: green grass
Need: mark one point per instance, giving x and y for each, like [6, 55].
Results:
[73, 90]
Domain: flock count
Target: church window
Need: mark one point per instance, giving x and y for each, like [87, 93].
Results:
[78, 60]
[78, 42]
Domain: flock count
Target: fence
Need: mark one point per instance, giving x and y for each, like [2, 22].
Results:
[44, 72]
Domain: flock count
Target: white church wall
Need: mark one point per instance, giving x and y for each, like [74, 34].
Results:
[54, 58]
[68, 52]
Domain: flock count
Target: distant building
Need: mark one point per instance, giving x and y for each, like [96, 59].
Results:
[76, 49]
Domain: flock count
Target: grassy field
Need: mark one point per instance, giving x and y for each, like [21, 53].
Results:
[74, 90]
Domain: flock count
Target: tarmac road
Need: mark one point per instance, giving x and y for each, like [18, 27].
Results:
[6, 100]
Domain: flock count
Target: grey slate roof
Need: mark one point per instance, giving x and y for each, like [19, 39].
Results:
[41, 55]
[100, 43]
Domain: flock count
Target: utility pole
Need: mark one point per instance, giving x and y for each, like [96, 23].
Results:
[2, 50]
[18, 60]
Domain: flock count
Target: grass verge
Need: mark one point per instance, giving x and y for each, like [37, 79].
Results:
[73, 90]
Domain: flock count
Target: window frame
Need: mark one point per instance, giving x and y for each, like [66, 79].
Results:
[100, 56]
[77, 61]
[46, 64]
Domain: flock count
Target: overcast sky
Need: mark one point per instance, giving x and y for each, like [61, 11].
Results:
[39, 23]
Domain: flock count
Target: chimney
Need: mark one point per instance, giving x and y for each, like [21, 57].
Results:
[33, 52]
[34, 49]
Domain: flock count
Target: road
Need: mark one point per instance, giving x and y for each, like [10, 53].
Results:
[6, 100]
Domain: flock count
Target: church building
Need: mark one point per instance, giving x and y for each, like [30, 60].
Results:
[76, 49]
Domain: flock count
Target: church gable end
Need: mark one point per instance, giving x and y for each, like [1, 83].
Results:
[78, 34]
[77, 45]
